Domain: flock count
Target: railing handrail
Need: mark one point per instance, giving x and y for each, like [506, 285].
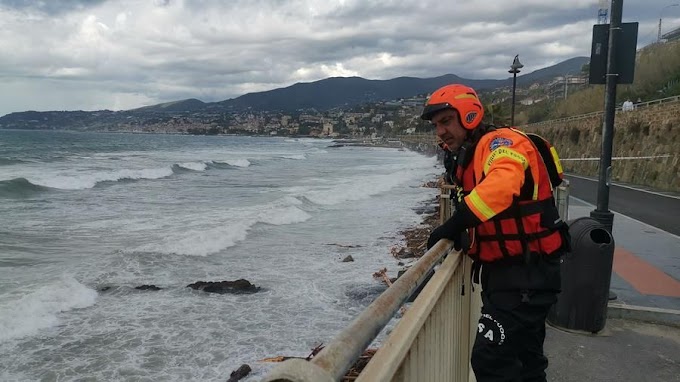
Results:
[595, 113]
[338, 356]
[389, 359]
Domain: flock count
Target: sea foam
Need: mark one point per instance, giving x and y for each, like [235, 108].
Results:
[39, 309]
[89, 180]
[210, 235]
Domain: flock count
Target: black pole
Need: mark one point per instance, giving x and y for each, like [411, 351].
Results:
[514, 69]
[512, 112]
[602, 213]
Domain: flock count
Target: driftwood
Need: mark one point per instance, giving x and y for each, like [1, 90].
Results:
[382, 274]
[282, 358]
[351, 375]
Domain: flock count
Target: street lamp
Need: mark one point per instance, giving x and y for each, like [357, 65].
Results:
[514, 69]
[658, 37]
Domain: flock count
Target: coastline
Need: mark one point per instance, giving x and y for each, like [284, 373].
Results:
[416, 236]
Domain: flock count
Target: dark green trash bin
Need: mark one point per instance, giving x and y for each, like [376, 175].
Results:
[586, 275]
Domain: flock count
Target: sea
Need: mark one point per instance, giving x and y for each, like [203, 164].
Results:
[87, 217]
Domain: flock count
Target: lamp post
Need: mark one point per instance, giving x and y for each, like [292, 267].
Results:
[514, 69]
[658, 37]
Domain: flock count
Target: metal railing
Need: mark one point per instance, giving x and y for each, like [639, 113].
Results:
[640, 105]
[432, 341]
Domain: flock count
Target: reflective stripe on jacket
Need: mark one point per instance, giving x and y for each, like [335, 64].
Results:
[506, 186]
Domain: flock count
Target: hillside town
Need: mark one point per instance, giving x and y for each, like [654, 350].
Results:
[388, 118]
[396, 117]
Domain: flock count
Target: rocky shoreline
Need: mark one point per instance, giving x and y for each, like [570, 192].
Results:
[415, 237]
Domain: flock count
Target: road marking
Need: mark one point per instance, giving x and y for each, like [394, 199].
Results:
[624, 186]
[630, 218]
[644, 277]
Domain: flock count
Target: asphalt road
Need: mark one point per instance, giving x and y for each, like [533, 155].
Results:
[649, 207]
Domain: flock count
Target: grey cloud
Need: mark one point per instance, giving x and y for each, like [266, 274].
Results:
[50, 6]
[121, 52]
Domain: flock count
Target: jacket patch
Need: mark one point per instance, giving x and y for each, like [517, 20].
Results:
[490, 329]
[498, 142]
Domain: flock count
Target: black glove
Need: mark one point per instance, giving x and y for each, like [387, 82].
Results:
[454, 228]
[446, 231]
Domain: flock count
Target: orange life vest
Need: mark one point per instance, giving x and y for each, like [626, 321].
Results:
[507, 187]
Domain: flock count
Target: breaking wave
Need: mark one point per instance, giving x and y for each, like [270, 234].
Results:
[39, 309]
[207, 240]
[191, 166]
[19, 188]
[85, 181]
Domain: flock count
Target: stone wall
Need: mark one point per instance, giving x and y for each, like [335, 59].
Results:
[648, 131]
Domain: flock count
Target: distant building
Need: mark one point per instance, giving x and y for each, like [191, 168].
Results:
[562, 85]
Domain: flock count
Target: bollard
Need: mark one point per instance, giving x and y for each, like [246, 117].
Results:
[586, 275]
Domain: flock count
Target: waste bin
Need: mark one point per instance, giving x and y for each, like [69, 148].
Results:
[586, 275]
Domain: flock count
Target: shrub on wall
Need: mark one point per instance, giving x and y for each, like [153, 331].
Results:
[574, 135]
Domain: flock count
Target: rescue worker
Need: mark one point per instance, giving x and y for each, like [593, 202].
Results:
[506, 220]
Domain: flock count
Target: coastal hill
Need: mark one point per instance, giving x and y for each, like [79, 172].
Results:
[229, 116]
[339, 92]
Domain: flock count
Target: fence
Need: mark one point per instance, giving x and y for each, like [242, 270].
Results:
[596, 113]
[433, 339]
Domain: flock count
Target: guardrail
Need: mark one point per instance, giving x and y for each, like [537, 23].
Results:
[431, 342]
[596, 113]
[433, 339]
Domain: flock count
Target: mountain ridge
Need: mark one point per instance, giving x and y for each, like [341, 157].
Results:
[340, 92]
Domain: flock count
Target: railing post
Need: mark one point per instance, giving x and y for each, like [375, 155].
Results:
[562, 199]
[444, 205]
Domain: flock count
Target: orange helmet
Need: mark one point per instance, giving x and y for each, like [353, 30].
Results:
[461, 98]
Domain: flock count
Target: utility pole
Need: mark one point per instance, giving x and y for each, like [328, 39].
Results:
[602, 213]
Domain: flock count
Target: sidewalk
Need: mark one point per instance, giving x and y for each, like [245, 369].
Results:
[646, 269]
[625, 350]
[646, 279]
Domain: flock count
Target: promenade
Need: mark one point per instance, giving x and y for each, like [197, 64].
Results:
[641, 340]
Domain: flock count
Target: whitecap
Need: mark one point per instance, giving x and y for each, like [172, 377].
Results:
[194, 166]
[39, 309]
[89, 180]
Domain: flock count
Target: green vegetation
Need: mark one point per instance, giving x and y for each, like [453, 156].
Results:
[657, 75]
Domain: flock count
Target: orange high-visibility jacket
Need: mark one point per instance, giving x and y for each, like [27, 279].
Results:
[507, 187]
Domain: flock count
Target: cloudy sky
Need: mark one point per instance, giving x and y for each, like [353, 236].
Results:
[122, 54]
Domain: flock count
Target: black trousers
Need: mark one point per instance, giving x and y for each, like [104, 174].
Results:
[511, 330]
